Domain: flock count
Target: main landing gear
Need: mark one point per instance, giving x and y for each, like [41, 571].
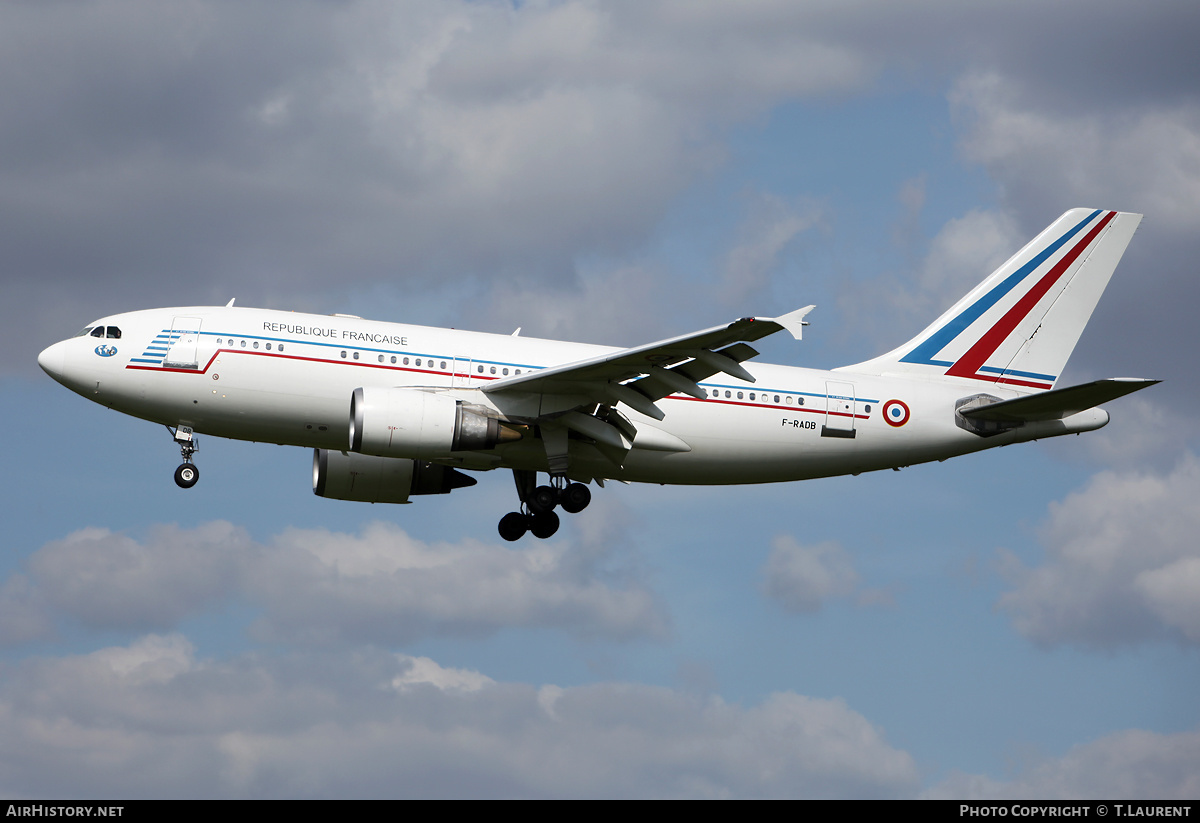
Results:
[187, 474]
[538, 503]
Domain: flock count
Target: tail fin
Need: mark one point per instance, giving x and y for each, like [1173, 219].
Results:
[1019, 326]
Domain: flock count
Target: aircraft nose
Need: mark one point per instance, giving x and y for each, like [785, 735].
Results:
[53, 359]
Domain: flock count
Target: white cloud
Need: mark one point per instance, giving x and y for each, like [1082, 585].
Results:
[897, 306]
[623, 306]
[1143, 430]
[111, 580]
[638, 302]
[1131, 765]
[318, 586]
[424, 671]
[802, 577]
[24, 615]
[384, 586]
[149, 659]
[1122, 563]
[1142, 158]
[965, 251]
[152, 719]
[1172, 592]
[769, 229]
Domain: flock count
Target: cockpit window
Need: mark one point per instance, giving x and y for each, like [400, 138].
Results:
[113, 332]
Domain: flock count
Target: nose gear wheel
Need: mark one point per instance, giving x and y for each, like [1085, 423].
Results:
[186, 475]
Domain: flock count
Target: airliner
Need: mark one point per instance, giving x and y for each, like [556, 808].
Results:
[394, 411]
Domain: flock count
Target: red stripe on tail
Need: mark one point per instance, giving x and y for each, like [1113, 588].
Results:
[969, 364]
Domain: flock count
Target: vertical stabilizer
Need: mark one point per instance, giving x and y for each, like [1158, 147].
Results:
[1018, 327]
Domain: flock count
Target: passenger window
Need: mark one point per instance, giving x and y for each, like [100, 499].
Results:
[113, 333]
[776, 398]
[506, 371]
[481, 369]
[356, 355]
[727, 394]
[393, 358]
[268, 347]
[493, 369]
[244, 346]
[789, 400]
[381, 358]
[443, 366]
[255, 344]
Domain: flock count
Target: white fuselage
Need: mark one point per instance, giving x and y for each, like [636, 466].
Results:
[287, 378]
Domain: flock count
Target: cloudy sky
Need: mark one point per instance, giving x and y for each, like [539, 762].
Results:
[1018, 623]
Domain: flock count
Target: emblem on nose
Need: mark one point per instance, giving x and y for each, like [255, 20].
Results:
[106, 351]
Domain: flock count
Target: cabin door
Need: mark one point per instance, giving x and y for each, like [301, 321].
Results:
[840, 407]
[462, 372]
[184, 343]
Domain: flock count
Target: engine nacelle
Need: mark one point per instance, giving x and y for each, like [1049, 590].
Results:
[370, 479]
[412, 423]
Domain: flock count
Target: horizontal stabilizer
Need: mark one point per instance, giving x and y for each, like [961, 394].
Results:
[1058, 403]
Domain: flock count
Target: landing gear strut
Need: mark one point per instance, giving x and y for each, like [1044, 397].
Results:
[187, 474]
[538, 503]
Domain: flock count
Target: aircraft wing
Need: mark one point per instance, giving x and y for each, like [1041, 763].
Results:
[641, 375]
[1058, 403]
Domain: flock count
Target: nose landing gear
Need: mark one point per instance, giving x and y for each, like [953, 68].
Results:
[538, 503]
[188, 473]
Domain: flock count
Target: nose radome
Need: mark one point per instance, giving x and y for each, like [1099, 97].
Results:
[51, 360]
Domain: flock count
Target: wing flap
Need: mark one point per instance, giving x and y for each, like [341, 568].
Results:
[633, 398]
[706, 363]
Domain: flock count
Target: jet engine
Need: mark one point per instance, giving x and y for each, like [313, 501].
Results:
[411, 423]
[369, 479]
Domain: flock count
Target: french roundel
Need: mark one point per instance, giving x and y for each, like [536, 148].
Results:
[895, 412]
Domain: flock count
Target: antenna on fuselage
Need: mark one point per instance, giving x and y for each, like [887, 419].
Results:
[230, 303]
